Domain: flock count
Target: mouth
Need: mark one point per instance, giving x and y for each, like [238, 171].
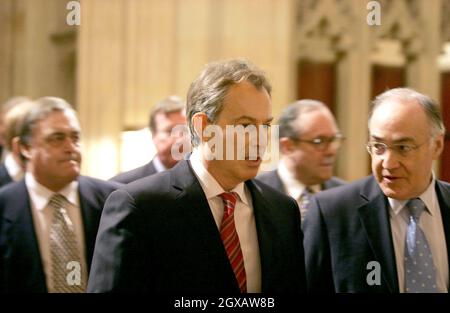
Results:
[390, 179]
[72, 161]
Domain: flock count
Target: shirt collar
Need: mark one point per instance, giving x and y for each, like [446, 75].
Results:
[158, 164]
[40, 195]
[292, 185]
[428, 197]
[209, 184]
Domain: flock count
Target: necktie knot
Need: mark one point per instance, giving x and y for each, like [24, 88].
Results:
[229, 201]
[57, 200]
[415, 208]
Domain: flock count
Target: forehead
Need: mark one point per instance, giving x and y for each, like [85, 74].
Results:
[58, 121]
[398, 118]
[244, 99]
[175, 116]
[316, 122]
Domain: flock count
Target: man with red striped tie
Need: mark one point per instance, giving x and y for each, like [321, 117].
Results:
[205, 226]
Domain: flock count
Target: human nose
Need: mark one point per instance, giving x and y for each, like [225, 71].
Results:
[390, 159]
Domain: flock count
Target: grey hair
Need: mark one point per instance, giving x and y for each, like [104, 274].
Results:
[167, 105]
[14, 120]
[288, 127]
[41, 108]
[430, 107]
[208, 91]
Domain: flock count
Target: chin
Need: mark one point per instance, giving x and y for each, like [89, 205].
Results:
[391, 193]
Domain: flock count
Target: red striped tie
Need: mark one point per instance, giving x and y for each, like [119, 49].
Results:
[230, 239]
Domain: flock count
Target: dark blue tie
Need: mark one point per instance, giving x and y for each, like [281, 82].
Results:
[420, 272]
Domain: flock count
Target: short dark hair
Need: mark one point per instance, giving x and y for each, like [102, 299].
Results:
[166, 105]
[288, 128]
[208, 91]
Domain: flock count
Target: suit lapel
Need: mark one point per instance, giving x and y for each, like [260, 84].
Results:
[266, 233]
[5, 178]
[375, 220]
[443, 194]
[23, 245]
[199, 216]
[277, 181]
[90, 213]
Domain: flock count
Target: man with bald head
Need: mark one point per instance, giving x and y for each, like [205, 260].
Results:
[389, 232]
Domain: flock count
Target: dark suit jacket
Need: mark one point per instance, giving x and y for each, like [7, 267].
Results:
[135, 174]
[348, 227]
[272, 179]
[158, 234]
[4, 175]
[21, 268]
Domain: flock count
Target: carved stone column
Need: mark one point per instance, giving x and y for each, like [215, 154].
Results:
[100, 84]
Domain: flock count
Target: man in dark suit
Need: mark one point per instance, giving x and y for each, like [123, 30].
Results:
[205, 225]
[165, 116]
[12, 168]
[49, 220]
[309, 141]
[389, 232]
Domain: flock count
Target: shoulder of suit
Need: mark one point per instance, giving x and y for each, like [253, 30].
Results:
[352, 189]
[100, 183]
[134, 174]
[268, 191]
[267, 176]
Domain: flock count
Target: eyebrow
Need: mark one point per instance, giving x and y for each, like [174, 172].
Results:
[405, 139]
[245, 117]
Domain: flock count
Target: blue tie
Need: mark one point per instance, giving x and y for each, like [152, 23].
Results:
[420, 272]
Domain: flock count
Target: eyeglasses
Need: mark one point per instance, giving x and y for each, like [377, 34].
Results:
[322, 143]
[402, 149]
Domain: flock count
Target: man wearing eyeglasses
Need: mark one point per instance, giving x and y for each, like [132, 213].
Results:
[388, 232]
[309, 141]
[49, 219]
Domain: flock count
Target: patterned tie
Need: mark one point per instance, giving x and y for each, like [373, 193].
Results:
[63, 249]
[420, 272]
[304, 200]
[230, 239]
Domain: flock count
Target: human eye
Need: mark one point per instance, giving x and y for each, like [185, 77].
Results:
[379, 148]
[55, 139]
[404, 148]
[75, 138]
[318, 141]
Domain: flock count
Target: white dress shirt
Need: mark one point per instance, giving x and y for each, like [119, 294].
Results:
[14, 169]
[42, 218]
[243, 217]
[159, 167]
[293, 186]
[432, 226]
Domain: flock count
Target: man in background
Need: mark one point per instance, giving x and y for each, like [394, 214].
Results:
[13, 167]
[164, 117]
[309, 142]
[49, 219]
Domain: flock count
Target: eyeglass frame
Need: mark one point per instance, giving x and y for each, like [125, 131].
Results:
[394, 148]
[322, 143]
